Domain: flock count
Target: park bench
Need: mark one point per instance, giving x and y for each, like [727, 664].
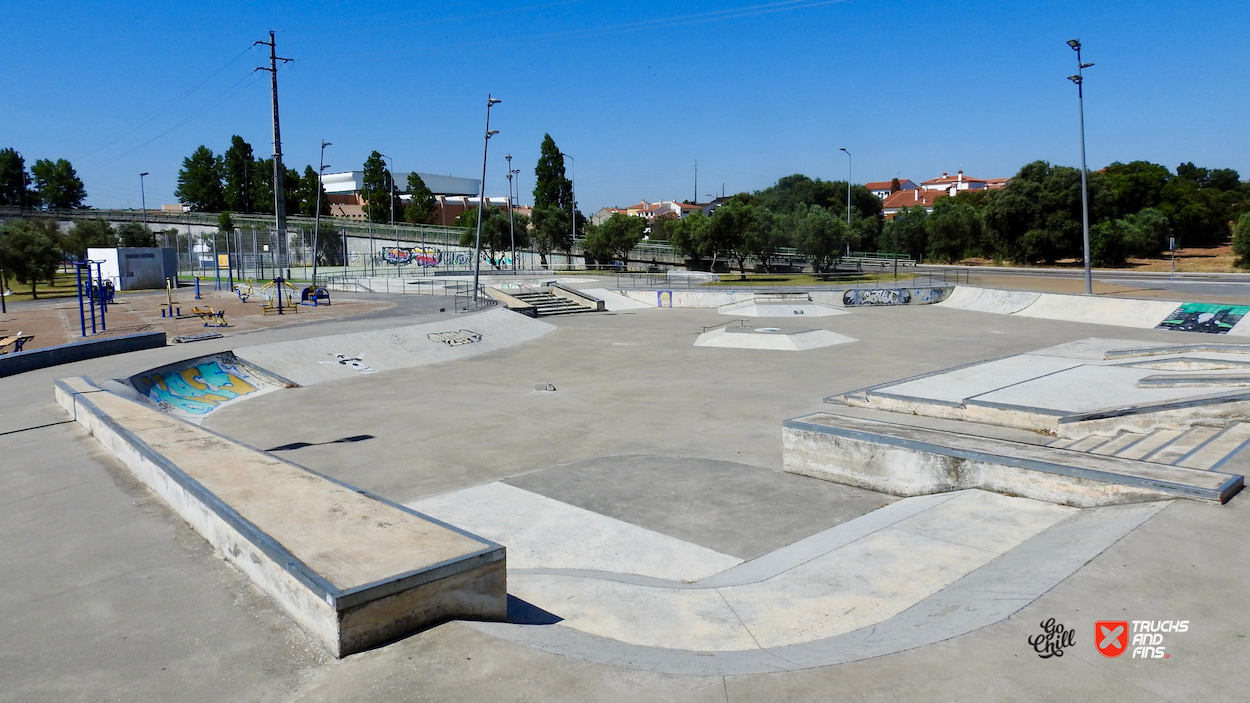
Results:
[17, 341]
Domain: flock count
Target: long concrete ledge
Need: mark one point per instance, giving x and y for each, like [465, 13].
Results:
[353, 569]
[906, 460]
[21, 362]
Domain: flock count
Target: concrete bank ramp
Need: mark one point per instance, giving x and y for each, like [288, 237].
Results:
[320, 359]
[1123, 312]
[1005, 302]
[193, 388]
[616, 301]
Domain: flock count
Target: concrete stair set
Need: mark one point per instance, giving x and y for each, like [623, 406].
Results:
[548, 303]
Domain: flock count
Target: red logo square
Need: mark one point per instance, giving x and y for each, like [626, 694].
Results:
[1111, 637]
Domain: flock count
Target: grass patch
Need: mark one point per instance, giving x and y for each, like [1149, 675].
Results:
[805, 279]
[65, 286]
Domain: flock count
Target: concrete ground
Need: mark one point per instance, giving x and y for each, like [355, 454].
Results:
[106, 595]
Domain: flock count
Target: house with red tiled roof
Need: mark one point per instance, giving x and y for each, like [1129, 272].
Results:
[646, 210]
[918, 197]
[882, 189]
[959, 181]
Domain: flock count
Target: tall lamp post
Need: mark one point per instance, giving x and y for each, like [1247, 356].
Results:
[573, 194]
[848, 197]
[143, 199]
[511, 225]
[390, 179]
[321, 172]
[1079, 80]
[481, 203]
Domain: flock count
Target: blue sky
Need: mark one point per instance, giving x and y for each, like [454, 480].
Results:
[636, 92]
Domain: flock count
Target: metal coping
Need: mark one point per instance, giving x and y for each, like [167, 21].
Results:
[1146, 408]
[1176, 349]
[340, 599]
[1223, 493]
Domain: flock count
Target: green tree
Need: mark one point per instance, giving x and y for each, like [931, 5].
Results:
[29, 251]
[692, 234]
[88, 233]
[496, 233]
[1108, 243]
[821, 238]
[614, 238]
[953, 229]
[421, 205]
[1135, 185]
[763, 237]
[798, 190]
[330, 245]
[199, 182]
[57, 186]
[551, 232]
[376, 184]
[551, 187]
[237, 171]
[135, 234]
[1147, 233]
[906, 233]
[14, 181]
[1241, 240]
[1037, 217]
[261, 182]
[661, 227]
[225, 223]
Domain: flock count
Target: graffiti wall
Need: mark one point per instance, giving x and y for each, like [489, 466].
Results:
[1212, 318]
[857, 297]
[192, 389]
[431, 257]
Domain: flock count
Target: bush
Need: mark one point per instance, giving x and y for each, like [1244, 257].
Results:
[1108, 243]
[1241, 240]
[1147, 233]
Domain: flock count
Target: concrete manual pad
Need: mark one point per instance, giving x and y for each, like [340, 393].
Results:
[615, 301]
[958, 384]
[542, 532]
[874, 577]
[1086, 388]
[770, 338]
[319, 359]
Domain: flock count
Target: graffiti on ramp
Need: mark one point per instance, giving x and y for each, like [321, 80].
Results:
[192, 389]
[1211, 318]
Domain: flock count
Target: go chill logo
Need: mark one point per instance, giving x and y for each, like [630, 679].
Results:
[1144, 638]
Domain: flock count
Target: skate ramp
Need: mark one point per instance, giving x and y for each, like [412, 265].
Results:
[1123, 312]
[1004, 302]
[193, 388]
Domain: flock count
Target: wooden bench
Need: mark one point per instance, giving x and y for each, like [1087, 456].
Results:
[16, 341]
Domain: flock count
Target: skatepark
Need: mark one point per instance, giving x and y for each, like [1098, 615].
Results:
[669, 495]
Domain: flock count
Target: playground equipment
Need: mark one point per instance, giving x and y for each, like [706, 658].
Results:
[170, 308]
[312, 295]
[244, 290]
[273, 292]
[210, 317]
[92, 291]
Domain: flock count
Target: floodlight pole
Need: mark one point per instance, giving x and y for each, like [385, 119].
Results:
[1079, 79]
[321, 172]
[849, 161]
[481, 203]
[511, 224]
[143, 199]
[573, 195]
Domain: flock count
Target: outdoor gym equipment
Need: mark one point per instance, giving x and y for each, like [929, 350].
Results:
[210, 317]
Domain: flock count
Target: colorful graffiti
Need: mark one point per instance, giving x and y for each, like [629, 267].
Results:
[430, 257]
[664, 299]
[201, 387]
[893, 296]
[455, 339]
[1211, 318]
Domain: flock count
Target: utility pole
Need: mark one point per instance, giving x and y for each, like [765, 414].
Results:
[511, 224]
[279, 173]
[321, 172]
[1079, 80]
[481, 203]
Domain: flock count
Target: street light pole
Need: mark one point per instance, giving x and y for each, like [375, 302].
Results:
[1079, 80]
[573, 195]
[511, 224]
[481, 203]
[143, 199]
[390, 179]
[321, 172]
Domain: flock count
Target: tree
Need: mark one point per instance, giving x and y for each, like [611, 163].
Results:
[906, 233]
[135, 234]
[57, 186]
[1241, 240]
[376, 184]
[551, 187]
[763, 237]
[237, 171]
[551, 232]
[614, 238]
[225, 223]
[307, 189]
[1135, 185]
[1147, 233]
[661, 226]
[261, 182]
[952, 229]
[1037, 217]
[821, 238]
[1107, 243]
[199, 182]
[798, 190]
[692, 235]
[14, 181]
[330, 246]
[421, 205]
[88, 233]
[496, 232]
[29, 250]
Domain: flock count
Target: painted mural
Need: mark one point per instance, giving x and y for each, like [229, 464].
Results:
[856, 297]
[1211, 318]
[431, 257]
[194, 388]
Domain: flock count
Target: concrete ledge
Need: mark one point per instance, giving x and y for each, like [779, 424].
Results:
[906, 460]
[353, 569]
[21, 362]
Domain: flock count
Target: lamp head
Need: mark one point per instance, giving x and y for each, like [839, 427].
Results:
[1074, 43]
[842, 148]
[1086, 65]
[141, 175]
[1075, 79]
[491, 101]
[492, 133]
[325, 144]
